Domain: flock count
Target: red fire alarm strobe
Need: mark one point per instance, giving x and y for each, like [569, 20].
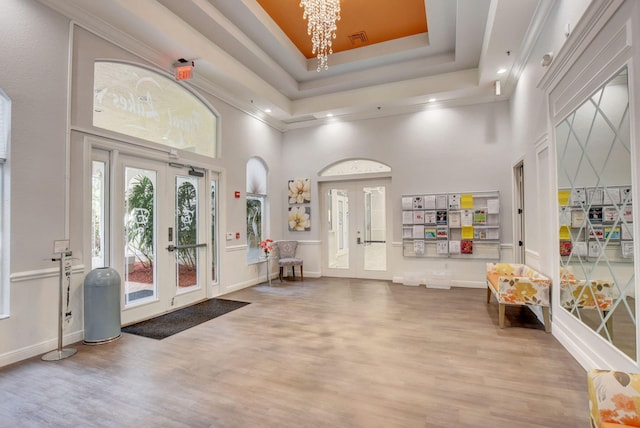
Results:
[236, 194]
[183, 69]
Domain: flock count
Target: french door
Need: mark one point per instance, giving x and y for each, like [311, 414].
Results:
[159, 236]
[356, 228]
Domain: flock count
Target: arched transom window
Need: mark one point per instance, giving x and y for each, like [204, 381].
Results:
[145, 104]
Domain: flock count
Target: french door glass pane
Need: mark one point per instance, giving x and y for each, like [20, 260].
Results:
[338, 236]
[375, 230]
[140, 234]
[98, 186]
[213, 231]
[186, 231]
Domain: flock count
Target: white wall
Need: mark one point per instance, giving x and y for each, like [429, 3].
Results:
[461, 149]
[34, 52]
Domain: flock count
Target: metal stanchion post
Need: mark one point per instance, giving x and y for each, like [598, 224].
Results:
[60, 353]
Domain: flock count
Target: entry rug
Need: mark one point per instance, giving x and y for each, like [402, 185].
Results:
[182, 319]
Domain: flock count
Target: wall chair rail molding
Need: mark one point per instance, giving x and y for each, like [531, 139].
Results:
[32, 275]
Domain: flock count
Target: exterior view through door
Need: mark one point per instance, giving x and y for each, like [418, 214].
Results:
[161, 240]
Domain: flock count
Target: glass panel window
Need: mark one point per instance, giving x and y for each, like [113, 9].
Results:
[186, 231]
[214, 250]
[255, 210]
[98, 223]
[375, 228]
[354, 166]
[338, 238]
[140, 204]
[5, 133]
[142, 103]
[256, 175]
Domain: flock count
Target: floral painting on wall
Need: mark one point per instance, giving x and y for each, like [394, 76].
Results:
[299, 191]
[299, 219]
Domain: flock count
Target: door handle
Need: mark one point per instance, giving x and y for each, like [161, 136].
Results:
[184, 247]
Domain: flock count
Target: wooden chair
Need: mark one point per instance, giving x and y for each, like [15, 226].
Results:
[287, 257]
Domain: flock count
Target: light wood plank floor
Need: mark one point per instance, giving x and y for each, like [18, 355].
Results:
[323, 353]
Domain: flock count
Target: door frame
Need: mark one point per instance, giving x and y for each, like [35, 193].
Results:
[519, 251]
[355, 272]
[83, 149]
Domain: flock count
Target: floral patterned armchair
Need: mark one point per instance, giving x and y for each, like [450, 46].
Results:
[287, 257]
[518, 284]
[614, 399]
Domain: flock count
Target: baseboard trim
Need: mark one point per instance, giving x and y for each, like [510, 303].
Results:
[39, 348]
[468, 284]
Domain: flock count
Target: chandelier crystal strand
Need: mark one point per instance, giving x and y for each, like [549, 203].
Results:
[321, 16]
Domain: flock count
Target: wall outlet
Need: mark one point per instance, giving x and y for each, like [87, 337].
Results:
[229, 236]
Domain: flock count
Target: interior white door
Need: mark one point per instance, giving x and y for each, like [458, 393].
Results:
[160, 237]
[356, 228]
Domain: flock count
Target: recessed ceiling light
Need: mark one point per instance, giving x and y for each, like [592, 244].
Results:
[502, 71]
[268, 110]
[329, 114]
[431, 100]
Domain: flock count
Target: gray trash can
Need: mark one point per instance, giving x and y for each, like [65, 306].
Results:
[101, 306]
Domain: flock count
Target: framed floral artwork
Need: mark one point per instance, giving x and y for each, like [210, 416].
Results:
[299, 219]
[299, 191]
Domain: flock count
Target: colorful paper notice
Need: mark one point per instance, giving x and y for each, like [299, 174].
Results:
[467, 232]
[563, 197]
[565, 233]
[466, 201]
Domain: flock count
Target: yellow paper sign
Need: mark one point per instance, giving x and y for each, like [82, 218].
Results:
[563, 197]
[466, 201]
[467, 232]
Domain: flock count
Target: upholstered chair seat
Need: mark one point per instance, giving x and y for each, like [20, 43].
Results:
[287, 257]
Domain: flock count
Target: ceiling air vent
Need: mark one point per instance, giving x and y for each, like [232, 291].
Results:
[359, 38]
[299, 119]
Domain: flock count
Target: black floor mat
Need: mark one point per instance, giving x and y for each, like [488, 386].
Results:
[182, 319]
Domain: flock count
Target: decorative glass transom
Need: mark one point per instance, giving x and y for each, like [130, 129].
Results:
[142, 103]
[355, 166]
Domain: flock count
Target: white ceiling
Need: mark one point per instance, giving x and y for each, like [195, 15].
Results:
[243, 57]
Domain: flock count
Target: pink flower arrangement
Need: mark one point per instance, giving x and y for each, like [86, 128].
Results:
[266, 246]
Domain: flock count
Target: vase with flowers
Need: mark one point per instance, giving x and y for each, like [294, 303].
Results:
[267, 246]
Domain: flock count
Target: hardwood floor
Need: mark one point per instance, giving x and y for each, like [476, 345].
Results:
[320, 353]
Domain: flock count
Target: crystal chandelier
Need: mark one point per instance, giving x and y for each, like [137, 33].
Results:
[322, 16]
